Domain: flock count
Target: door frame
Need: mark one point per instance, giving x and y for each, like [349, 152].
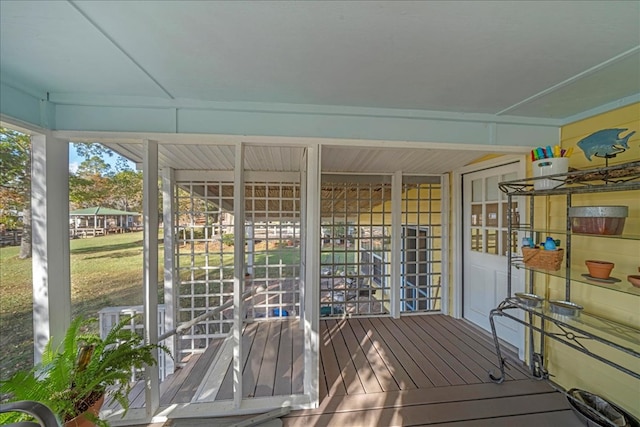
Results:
[457, 235]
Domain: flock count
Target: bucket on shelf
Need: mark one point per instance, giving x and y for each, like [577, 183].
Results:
[551, 166]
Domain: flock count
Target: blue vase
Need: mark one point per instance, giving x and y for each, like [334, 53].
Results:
[549, 244]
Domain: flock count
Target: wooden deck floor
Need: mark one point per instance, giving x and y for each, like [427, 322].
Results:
[418, 371]
[273, 366]
[414, 371]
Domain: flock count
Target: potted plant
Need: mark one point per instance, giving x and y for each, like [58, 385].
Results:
[81, 372]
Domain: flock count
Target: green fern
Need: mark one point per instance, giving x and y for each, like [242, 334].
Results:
[66, 386]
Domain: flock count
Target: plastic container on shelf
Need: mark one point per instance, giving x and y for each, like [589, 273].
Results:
[545, 167]
[603, 220]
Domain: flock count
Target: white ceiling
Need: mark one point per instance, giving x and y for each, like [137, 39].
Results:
[281, 159]
[534, 59]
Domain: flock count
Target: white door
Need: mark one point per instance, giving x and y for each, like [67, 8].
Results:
[484, 223]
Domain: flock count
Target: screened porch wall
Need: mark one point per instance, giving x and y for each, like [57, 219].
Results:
[421, 265]
[356, 249]
[273, 248]
[205, 254]
[354, 266]
[204, 260]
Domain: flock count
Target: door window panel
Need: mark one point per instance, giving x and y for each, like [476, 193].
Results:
[476, 215]
[492, 192]
[476, 239]
[492, 241]
[489, 208]
[476, 190]
[492, 215]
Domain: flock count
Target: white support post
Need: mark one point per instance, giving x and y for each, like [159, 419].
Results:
[251, 247]
[304, 194]
[238, 266]
[150, 267]
[50, 241]
[444, 283]
[396, 243]
[169, 239]
[312, 276]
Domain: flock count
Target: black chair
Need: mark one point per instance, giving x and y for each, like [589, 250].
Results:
[42, 413]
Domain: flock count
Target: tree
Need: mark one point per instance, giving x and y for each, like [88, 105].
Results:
[15, 184]
[127, 190]
[91, 184]
[96, 183]
[90, 150]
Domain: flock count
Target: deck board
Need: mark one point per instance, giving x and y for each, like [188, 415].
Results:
[386, 355]
[297, 366]
[546, 419]
[472, 368]
[417, 351]
[481, 343]
[428, 396]
[195, 375]
[226, 387]
[477, 403]
[437, 354]
[255, 359]
[365, 371]
[465, 374]
[406, 363]
[171, 385]
[267, 375]
[335, 383]
[475, 410]
[380, 369]
[348, 370]
[322, 380]
[282, 384]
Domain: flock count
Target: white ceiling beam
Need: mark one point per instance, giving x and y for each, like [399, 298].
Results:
[118, 46]
[573, 79]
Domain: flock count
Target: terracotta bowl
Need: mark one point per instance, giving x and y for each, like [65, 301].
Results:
[599, 269]
[634, 279]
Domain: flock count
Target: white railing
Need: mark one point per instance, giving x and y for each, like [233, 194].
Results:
[110, 316]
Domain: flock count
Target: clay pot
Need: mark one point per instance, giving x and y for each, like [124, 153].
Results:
[81, 420]
[599, 269]
[634, 279]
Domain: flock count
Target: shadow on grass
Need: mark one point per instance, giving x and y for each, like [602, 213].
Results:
[16, 341]
[116, 255]
[114, 247]
[106, 248]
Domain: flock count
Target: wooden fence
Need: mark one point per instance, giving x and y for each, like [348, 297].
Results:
[10, 237]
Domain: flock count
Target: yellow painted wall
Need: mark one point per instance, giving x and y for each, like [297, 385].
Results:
[569, 367]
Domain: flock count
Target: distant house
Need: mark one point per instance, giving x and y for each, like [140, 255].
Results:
[97, 220]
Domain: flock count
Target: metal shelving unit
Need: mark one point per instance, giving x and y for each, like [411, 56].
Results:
[585, 333]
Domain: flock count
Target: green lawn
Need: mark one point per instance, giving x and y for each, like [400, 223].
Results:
[105, 271]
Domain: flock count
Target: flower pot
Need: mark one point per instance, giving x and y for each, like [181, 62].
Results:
[599, 269]
[81, 420]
